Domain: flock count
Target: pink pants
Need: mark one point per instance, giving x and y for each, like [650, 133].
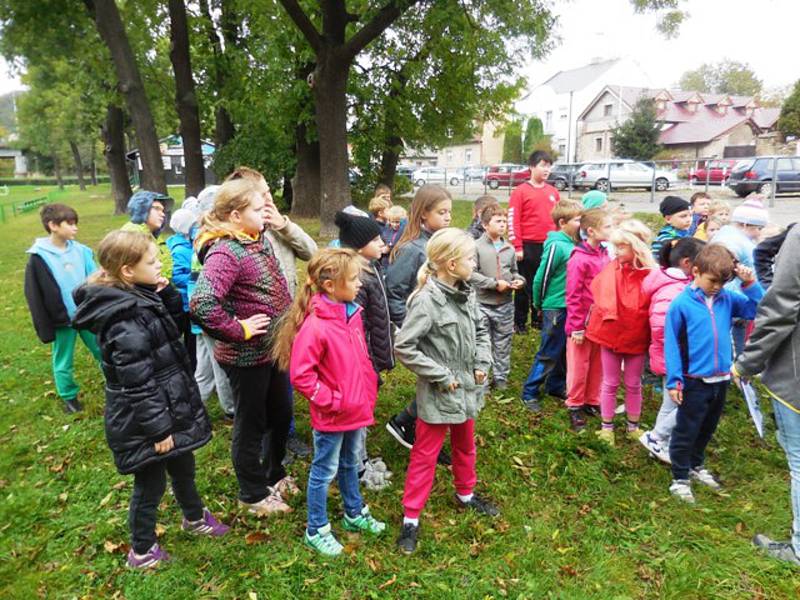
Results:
[612, 365]
[422, 465]
[584, 373]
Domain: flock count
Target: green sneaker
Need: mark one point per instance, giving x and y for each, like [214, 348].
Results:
[363, 522]
[324, 542]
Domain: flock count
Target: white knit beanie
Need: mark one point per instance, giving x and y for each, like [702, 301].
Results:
[205, 199]
[751, 212]
[182, 221]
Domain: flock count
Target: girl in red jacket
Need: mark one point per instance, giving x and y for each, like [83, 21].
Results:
[619, 324]
[322, 343]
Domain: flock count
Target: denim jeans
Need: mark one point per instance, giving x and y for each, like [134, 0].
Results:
[788, 422]
[334, 452]
[739, 336]
[667, 414]
[550, 364]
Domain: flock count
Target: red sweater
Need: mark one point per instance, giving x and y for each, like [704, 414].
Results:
[529, 211]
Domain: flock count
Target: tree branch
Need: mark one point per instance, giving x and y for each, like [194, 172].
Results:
[303, 23]
[376, 26]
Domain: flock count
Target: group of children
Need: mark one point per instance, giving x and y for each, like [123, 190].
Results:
[436, 298]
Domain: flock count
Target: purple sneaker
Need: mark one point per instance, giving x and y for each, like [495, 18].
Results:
[208, 525]
[149, 560]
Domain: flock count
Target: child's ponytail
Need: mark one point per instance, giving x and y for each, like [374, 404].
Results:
[672, 253]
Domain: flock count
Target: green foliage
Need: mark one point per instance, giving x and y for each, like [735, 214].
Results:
[534, 135]
[637, 138]
[789, 121]
[512, 142]
[726, 77]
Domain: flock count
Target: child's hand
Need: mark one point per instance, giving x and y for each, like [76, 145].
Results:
[516, 284]
[273, 219]
[165, 445]
[452, 386]
[745, 274]
[480, 376]
[519, 255]
[502, 285]
[256, 325]
[676, 396]
[161, 283]
[577, 337]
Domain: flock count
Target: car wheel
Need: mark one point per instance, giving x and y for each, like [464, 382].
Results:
[765, 189]
[494, 184]
[602, 185]
[742, 194]
[454, 181]
[662, 184]
[693, 180]
[560, 185]
[419, 182]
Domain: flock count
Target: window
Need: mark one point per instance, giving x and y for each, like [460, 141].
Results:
[449, 156]
[562, 149]
[607, 110]
[563, 116]
[548, 120]
[468, 156]
[784, 164]
[598, 144]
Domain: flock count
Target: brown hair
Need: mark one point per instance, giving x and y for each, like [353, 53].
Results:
[235, 194]
[57, 213]
[482, 202]
[383, 190]
[565, 210]
[245, 173]
[697, 195]
[425, 200]
[396, 212]
[379, 204]
[492, 210]
[329, 264]
[593, 218]
[116, 250]
[716, 260]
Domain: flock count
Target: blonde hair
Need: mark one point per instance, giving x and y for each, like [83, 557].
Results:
[235, 194]
[329, 264]
[637, 235]
[425, 200]
[378, 204]
[445, 245]
[396, 212]
[717, 206]
[119, 249]
[593, 218]
[243, 172]
[565, 210]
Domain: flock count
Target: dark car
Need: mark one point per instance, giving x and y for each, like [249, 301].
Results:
[405, 171]
[762, 173]
[563, 176]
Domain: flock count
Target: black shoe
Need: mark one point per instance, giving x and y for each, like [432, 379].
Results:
[402, 433]
[72, 406]
[532, 404]
[444, 458]
[591, 410]
[577, 420]
[562, 395]
[407, 542]
[227, 418]
[480, 506]
[520, 329]
[298, 447]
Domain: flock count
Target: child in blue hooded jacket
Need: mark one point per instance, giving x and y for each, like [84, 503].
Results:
[183, 222]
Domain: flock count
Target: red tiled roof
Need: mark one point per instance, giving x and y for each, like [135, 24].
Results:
[766, 118]
[702, 126]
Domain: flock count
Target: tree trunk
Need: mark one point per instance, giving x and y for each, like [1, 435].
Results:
[94, 163]
[224, 129]
[114, 138]
[57, 169]
[186, 100]
[76, 157]
[112, 31]
[389, 159]
[306, 184]
[288, 191]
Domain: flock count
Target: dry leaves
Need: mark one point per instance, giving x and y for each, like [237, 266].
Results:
[255, 537]
[386, 584]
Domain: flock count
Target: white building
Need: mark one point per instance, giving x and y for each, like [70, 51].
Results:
[559, 100]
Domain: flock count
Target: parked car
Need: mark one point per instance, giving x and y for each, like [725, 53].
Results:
[471, 173]
[760, 174]
[506, 175]
[438, 175]
[714, 171]
[605, 176]
[405, 171]
[563, 175]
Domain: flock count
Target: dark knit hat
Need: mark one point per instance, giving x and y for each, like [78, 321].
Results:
[356, 232]
[672, 204]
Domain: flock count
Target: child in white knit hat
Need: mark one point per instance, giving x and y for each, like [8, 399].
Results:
[183, 222]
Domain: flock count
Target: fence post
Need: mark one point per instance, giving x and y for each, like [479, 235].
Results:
[653, 184]
[774, 182]
[708, 175]
[609, 177]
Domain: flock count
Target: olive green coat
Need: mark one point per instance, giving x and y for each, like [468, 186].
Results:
[444, 340]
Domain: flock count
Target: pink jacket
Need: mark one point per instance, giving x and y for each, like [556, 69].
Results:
[330, 366]
[662, 286]
[584, 264]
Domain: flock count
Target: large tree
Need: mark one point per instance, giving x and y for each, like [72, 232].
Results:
[637, 138]
[789, 121]
[726, 77]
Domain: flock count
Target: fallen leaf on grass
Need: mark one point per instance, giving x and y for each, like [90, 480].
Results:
[160, 530]
[252, 596]
[386, 584]
[113, 547]
[739, 527]
[568, 570]
[255, 537]
[106, 499]
[62, 497]
[119, 485]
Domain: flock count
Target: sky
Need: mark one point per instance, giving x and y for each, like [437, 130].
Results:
[761, 33]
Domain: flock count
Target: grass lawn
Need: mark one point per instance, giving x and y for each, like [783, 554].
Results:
[578, 521]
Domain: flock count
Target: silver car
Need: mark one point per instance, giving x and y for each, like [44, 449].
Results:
[438, 175]
[605, 176]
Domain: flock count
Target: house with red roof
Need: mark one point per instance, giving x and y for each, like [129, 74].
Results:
[693, 124]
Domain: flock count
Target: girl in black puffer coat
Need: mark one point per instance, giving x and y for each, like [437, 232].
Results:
[154, 418]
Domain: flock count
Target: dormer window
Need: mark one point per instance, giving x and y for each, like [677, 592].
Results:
[691, 106]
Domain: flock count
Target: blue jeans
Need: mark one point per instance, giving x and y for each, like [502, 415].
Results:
[334, 452]
[788, 422]
[550, 364]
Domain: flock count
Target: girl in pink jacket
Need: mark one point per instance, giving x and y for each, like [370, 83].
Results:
[663, 285]
[322, 342]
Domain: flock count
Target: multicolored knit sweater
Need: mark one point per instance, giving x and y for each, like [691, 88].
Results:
[240, 278]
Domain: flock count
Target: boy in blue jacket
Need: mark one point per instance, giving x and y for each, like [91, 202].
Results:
[698, 353]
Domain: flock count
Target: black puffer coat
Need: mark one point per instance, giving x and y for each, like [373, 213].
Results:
[377, 326]
[150, 390]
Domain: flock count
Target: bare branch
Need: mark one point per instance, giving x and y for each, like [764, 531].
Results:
[303, 23]
[376, 26]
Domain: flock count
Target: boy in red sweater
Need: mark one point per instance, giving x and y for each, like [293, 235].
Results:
[529, 223]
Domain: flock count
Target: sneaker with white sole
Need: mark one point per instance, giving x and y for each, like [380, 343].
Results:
[682, 490]
[364, 522]
[778, 550]
[655, 447]
[149, 560]
[208, 525]
[271, 505]
[323, 541]
[703, 476]
[287, 487]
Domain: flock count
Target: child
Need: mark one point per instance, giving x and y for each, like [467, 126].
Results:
[662, 286]
[697, 349]
[549, 296]
[475, 228]
[148, 212]
[720, 212]
[584, 371]
[322, 342]
[154, 418]
[397, 218]
[619, 324]
[445, 344]
[430, 211]
[765, 253]
[56, 266]
[495, 277]
[240, 294]
[594, 199]
[529, 222]
[700, 203]
[677, 214]
[182, 222]
[708, 228]
[377, 209]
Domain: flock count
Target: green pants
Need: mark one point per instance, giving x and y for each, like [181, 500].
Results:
[64, 357]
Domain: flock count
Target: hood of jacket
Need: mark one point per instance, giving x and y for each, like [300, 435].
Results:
[661, 278]
[69, 266]
[586, 250]
[331, 310]
[178, 241]
[100, 305]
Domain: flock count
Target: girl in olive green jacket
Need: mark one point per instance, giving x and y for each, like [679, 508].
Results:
[445, 343]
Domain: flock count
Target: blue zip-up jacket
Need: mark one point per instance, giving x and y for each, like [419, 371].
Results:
[697, 339]
[181, 249]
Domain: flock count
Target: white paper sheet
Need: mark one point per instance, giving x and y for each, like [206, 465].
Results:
[751, 398]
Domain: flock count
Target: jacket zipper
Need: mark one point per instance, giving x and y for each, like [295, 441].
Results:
[379, 277]
[714, 329]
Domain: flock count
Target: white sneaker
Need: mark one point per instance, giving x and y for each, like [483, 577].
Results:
[655, 447]
[271, 505]
[620, 410]
[682, 490]
[706, 478]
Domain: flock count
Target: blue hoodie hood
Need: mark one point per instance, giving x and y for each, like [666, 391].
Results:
[69, 266]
